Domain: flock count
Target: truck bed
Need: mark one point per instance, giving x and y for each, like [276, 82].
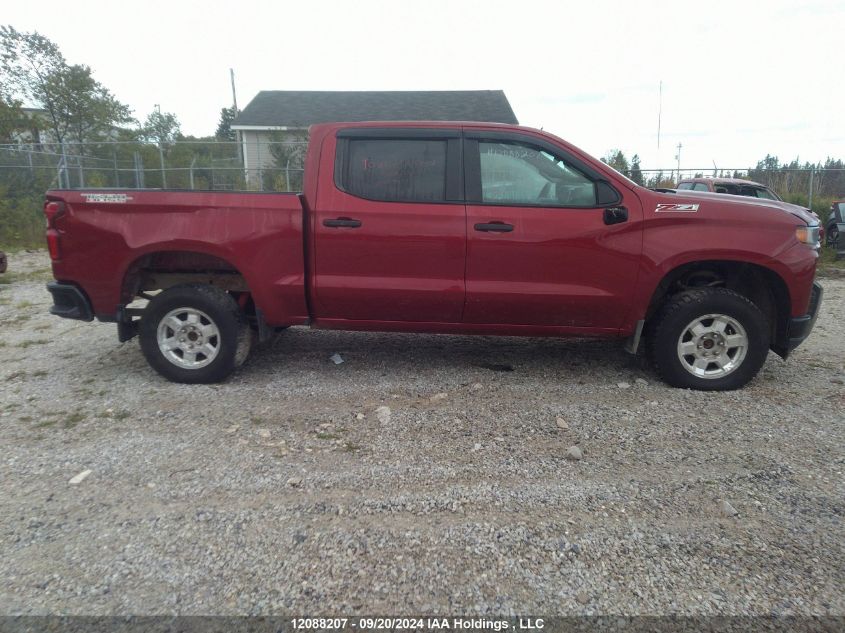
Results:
[108, 234]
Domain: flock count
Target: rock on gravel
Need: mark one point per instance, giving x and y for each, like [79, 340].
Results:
[574, 453]
[78, 479]
[727, 510]
[383, 414]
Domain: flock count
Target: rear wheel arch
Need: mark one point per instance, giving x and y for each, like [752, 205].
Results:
[162, 269]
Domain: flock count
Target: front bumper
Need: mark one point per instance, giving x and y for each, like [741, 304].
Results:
[800, 327]
[69, 302]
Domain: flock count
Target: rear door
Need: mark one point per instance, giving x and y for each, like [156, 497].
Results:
[541, 250]
[390, 230]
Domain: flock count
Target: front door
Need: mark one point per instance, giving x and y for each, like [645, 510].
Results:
[540, 248]
[390, 234]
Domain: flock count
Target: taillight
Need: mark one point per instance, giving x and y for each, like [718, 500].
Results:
[53, 210]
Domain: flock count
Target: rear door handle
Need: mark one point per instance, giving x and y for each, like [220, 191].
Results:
[342, 222]
[498, 227]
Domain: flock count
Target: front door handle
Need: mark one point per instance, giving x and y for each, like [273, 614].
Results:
[499, 227]
[615, 215]
[342, 222]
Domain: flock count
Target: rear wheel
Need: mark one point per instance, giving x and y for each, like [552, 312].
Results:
[833, 236]
[194, 333]
[711, 339]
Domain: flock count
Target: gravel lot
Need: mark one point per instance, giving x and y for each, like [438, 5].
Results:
[286, 490]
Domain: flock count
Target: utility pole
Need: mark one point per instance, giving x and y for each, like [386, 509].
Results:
[678, 158]
[659, 112]
[234, 94]
[235, 108]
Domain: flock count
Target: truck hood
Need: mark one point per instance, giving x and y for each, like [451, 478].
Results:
[737, 202]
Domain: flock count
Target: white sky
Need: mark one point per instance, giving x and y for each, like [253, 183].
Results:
[740, 79]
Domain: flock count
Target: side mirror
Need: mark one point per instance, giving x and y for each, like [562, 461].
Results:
[606, 195]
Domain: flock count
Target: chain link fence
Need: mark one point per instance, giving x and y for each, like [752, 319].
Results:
[215, 165]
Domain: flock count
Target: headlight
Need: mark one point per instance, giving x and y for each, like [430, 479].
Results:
[808, 235]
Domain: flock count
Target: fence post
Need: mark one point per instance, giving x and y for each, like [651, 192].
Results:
[193, 162]
[812, 174]
[116, 175]
[161, 160]
[81, 171]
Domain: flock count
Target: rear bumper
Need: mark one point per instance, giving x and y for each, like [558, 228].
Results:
[69, 302]
[800, 327]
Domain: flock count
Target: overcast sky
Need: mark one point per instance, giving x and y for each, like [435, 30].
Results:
[740, 79]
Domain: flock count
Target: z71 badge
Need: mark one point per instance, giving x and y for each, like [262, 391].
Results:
[676, 208]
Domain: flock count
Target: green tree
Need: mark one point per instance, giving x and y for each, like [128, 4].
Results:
[87, 110]
[616, 159]
[224, 128]
[11, 118]
[636, 173]
[161, 128]
[76, 106]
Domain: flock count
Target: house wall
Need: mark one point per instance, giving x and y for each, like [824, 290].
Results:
[259, 157]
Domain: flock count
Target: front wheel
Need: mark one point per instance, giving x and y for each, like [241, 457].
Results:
[194, 333]
[833, 236]
[711, 339]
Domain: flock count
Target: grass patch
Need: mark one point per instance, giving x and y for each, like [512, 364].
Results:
[72, 419]
[31, 342]
[40, 373]
[828, 261]
[16, 374]
[327, 436]
[349, 447]
[23, 305]
[257, 419]
[120, 414]
[42, 327]
[44, 424]
[42, 274]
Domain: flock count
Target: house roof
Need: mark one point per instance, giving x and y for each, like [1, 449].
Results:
[299, 109]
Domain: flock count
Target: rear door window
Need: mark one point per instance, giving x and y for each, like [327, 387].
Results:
[700, 186]
[396, 170]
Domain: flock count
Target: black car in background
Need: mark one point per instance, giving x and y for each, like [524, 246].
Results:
[835, 222]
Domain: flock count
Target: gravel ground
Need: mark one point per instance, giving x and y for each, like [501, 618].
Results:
[287, 489]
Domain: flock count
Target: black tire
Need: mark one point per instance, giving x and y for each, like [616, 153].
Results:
[663, 342]
[833, 236]
[231, 341]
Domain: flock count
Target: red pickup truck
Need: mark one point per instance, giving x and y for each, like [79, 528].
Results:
[445, 227]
